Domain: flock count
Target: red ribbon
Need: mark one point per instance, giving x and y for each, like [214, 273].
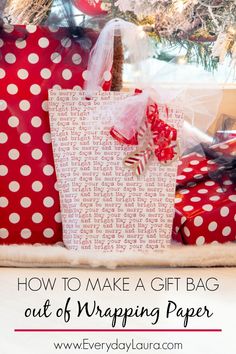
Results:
[117, 136]
[164, 137]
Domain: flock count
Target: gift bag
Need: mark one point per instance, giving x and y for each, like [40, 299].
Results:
[116, 194]
[205, 204]
[32, 60]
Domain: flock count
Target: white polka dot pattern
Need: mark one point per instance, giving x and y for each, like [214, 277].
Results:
[33, 58]
[227, 183]
[25, 138]
[3, 105]
[212, 226]
[3, 202]
[24, 105]
[48, 233]
[48, 170]
[31, 28]
[2, 73]
[20, 43]
[3, 170]
[203, 191]
[3, 138]
[66, 74]
[25, 170]
[43, 42]
[13, 122]
[45, 73]
[194, 162]
[181, 177]
[36, 122]
[23, 74]
[12, 89]
[10, 58]
[13, 154]
[188, 208]
[203, 207]
[207, 207]
[200, 241]
[232, 198]
[48, 202]
[37, 186]
[184, 191]
[4, 233]
[224, 211]
[187, 169]
[37, 218]
[56, 58]
[66, 42]
[86, 75]
[209, 183]
[186, 231]
[14, 186]
[25, 233]
[35, 89]
[226, 231]
[29, 65]
[14, 218]
[8, 28]
[198, 221]
[36, 154]
[195, 199]
[25, 202]
[76, 58]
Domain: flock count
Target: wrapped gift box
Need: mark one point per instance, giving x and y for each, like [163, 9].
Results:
[205, 211]
[222, 136]
[32, 60]
[223, 128]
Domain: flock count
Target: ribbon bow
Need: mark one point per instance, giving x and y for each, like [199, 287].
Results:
[156, 138]
[164, 136]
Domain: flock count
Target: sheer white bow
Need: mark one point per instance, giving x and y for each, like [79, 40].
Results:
[198, 96]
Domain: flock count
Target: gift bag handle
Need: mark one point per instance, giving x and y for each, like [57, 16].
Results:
[101, 56]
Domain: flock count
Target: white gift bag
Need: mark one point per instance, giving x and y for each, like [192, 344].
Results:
[105, 206]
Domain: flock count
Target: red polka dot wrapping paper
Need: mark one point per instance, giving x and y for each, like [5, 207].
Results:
[205, 211]
[33, 60]
[221, 136]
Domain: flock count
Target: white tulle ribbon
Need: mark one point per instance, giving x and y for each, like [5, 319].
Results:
[199, 108]
[197, 94]
[134, 40]
[189, 88]
[127, 115]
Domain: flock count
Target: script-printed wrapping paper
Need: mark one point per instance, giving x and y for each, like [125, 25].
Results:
[105, 207]
[32, 60]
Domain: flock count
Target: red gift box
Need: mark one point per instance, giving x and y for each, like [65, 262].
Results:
[205, 211]
[221, 136]
[33, 60]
